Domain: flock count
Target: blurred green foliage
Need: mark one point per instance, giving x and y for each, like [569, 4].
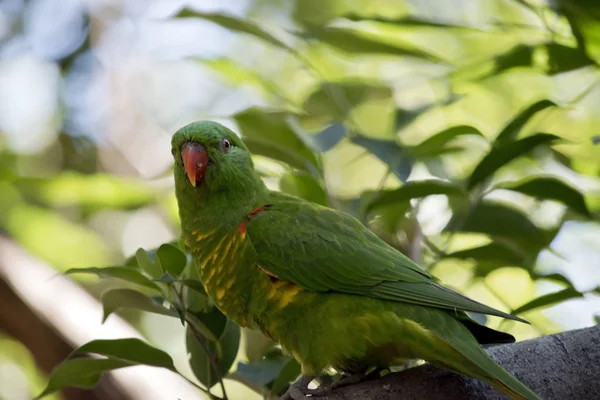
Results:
[464, 135]
[19, 376]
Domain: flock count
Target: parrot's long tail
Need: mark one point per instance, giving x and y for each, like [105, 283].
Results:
[479, 365]
[445, 341]
[458, 351]
[502, 380]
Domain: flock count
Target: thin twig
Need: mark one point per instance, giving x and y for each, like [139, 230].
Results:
[416, 243]
[209, 355]
[331, 199]
[383, 179]
[199, 387]
[432, 246]
[212, 361]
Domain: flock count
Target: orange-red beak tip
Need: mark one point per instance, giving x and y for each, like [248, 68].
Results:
[192, 179]
[195, 160]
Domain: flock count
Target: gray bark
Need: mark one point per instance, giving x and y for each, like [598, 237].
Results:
[563, 367]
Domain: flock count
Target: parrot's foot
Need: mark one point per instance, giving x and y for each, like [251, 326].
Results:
[345, 380]
[299, 389]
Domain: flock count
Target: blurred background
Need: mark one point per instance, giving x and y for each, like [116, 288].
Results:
[427, 119]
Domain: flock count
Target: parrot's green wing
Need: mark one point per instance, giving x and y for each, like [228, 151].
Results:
[324, 250]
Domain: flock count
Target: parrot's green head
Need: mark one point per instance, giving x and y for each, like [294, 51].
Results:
[210, 159]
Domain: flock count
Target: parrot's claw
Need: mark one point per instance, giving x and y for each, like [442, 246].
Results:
[299, 389]
[345, 380]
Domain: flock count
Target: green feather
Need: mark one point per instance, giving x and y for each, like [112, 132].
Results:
[332, 251]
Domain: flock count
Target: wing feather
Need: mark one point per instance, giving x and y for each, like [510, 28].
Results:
[323, 250]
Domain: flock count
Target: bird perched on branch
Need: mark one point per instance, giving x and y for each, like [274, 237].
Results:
[316, 280]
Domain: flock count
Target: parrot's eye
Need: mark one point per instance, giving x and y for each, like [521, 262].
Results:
[225, 145]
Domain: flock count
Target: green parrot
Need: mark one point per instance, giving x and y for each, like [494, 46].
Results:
[316, 280]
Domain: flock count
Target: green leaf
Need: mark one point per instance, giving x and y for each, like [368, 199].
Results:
[413, 190]
[269, 133]
[196, 299]
[114, 299]
[560, 58]
[318, 12]
[81, 373]
[199, 360]
[553, 277]
[49, 234]
[288, 374]
[399, 160]
[503, 222]
[361, 42]
[548, 300]
[196, 303]
[390, 218]
[511, 130]
[132, 260]
[200, 326]
[405, 117]
[90, 191]
[230, 344]
[124, 273]
[236, 74]
[563, 58]
[497, 219]
[262, 372]
[363, 106]
[303, 185]
[166, 278]
[435, 145]
[234, 24]
[79, 152]
[519, 56]
[583, 15]
[329, 137]
[502, 154]
[172, 259]
[490, 257]
[149, 263]
[132, 350]
[223, 351]
[194, 284]
[214, 320]
[280, 153]
[210, 324]
[549, 188]
[85, 372]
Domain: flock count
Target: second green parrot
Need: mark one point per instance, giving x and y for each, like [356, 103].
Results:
[316, 280]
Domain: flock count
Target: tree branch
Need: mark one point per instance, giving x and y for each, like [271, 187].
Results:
[47, 347]
[562, 366]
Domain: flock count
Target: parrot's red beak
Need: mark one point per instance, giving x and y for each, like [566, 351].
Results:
[195, 160]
